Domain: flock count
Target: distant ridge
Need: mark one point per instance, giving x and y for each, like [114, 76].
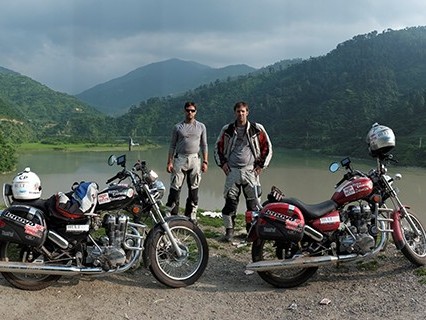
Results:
[166, 78]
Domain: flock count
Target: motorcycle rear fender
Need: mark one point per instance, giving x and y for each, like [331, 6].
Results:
[145, 255]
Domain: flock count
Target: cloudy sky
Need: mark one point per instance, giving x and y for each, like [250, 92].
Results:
[73, 45]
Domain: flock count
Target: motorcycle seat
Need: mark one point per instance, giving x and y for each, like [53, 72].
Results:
[36, 203]
[312, 211]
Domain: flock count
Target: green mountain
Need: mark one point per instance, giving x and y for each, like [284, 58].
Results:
[167, 78]
[30, 111]
[326, 103]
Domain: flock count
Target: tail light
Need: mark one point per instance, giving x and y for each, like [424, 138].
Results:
[251, 215]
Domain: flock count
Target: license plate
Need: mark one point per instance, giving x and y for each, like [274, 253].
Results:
[77, 227]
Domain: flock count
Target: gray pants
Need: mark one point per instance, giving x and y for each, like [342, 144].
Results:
[189, 167]
[240, 179]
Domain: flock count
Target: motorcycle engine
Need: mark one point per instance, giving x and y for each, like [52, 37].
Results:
[110, 254]
[357, 237]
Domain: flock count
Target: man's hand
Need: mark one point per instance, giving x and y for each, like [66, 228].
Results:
[226, 168]
[204, 166]
[169, 166]
[257, 171]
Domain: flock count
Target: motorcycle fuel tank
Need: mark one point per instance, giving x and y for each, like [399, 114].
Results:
[354, 189]
[115, 197]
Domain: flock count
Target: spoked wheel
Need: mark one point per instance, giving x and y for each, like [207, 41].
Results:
[264, 250]
[415, 245]
[13, 252]
[169, 268]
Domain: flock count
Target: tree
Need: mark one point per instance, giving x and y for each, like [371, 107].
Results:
[8, 158]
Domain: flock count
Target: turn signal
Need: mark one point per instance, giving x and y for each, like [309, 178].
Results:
[376, 198]
[136, 210]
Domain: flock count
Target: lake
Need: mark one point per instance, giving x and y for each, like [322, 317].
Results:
[298, 174]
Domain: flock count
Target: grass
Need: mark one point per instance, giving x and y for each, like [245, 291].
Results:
[421, 273]
[371, 265]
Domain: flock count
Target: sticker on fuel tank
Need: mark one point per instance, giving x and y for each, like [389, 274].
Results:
[348, 191]
[103, 198]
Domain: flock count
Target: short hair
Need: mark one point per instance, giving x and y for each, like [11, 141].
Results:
[241, 104]
[190, 104]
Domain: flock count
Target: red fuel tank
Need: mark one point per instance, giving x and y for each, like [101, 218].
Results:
[355, 189]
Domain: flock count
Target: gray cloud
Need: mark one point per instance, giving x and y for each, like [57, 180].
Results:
[73, 45]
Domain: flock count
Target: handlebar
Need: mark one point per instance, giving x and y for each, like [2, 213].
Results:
[120, 175]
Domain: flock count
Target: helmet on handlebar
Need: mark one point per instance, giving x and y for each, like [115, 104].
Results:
[380, 140]
[26, 185]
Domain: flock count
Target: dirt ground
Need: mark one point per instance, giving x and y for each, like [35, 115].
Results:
[226, 291]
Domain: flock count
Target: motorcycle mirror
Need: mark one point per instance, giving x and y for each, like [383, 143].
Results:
[334, 167]
[112, 159]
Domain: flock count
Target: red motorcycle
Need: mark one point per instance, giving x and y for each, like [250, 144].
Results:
[291, 239]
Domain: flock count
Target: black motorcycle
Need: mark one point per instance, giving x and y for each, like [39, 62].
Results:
[41, 240]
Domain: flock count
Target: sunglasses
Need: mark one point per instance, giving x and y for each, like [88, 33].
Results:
[190, 110]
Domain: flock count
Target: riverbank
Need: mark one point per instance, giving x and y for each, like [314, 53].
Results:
[79, 147]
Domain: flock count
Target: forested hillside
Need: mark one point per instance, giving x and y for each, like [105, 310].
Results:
[326, 103]
[30, 111]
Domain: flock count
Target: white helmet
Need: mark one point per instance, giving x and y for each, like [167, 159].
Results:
[380, 140]
[26, 185]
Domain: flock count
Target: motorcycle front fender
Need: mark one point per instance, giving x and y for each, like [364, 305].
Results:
[397, 235]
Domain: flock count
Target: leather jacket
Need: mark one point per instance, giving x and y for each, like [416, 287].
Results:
[259, 142]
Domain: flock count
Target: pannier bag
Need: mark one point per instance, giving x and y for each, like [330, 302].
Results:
[280, 221]
[23, 224]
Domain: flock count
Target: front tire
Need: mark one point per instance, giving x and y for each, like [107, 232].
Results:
[264, 250]
[166, 266]
[414, 248]
[26, 281]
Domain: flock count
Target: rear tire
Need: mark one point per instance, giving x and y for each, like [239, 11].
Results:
[264, 250]
[415, 246]
[166, 266]
[26, 281]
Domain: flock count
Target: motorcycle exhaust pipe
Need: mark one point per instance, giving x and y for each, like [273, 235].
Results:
[305, 262]
[21, 267]
[40, 268]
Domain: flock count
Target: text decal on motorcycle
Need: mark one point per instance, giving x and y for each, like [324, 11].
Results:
[30, 227]
[290, 222]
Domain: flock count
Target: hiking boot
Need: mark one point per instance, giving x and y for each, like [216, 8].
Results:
[229, 234]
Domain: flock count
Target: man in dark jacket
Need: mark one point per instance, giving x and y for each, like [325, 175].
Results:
[243, 149]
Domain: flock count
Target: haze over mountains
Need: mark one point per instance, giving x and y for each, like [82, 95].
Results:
[165, 78]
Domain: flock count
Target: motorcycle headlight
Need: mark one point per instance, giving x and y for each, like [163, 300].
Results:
[158, 189]
[151, 176]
